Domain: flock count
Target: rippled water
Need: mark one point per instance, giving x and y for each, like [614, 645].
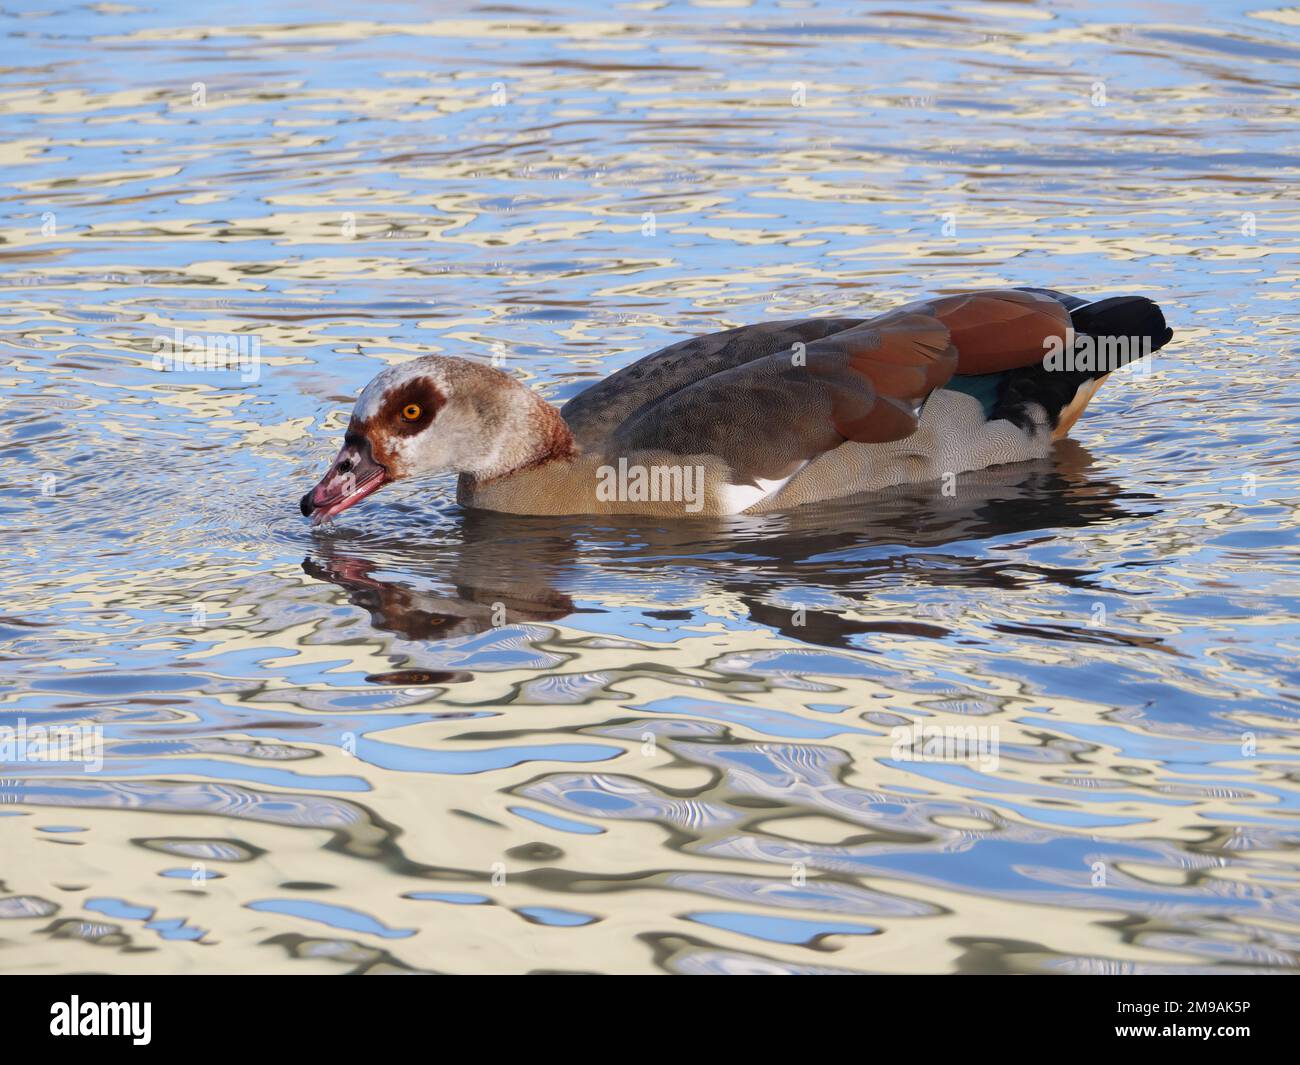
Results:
[677, 750]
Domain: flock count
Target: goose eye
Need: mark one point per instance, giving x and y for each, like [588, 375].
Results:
[411, 411]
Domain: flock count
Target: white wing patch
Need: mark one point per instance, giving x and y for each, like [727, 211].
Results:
[738, 498]
[953, 438]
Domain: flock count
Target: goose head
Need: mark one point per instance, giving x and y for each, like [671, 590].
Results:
[435, 415]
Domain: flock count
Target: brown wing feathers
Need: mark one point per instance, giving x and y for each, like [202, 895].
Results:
[767, 414]
[1000, 329]
[905, 356]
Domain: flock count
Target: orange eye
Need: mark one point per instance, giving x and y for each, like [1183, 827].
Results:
[411, 411]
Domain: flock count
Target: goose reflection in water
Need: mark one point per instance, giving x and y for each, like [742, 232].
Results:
[500, 569]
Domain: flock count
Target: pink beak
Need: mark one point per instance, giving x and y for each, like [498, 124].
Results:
[352, 476]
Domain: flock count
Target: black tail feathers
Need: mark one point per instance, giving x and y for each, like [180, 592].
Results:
[1127, 327]
[1132, 317]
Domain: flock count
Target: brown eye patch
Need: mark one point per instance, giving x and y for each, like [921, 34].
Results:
[410, 408]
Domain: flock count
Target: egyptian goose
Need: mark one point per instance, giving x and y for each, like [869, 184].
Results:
[756, 419]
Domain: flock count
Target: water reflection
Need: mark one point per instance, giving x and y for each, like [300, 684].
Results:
[487, 591]
[501, 569]
[430, 740]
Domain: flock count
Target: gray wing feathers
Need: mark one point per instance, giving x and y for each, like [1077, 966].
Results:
[593, 415]
[765, 418]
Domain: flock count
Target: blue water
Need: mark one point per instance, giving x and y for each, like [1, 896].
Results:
[681, 751]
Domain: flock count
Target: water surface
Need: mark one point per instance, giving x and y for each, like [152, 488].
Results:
[426, 739]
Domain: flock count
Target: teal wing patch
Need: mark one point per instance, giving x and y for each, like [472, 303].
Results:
[984, 387]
